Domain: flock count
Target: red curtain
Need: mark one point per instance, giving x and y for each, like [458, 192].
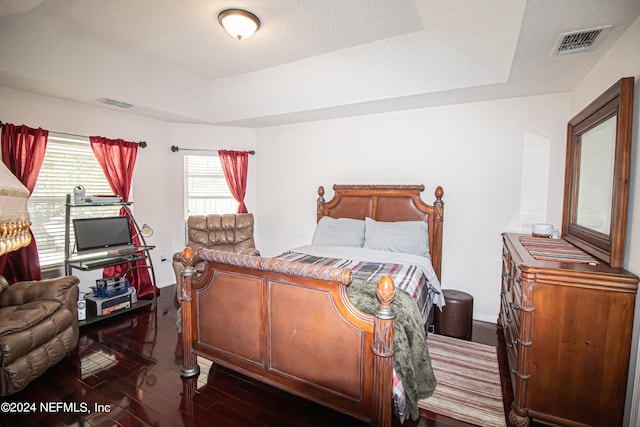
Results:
[23, 151]
[235, 165]
[117, 159]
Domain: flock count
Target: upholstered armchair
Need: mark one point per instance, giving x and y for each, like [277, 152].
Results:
[38, 328]
[227, 233]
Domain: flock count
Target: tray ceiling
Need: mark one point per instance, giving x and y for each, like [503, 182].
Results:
[310, 60]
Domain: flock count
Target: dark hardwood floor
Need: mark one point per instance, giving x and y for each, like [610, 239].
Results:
[126, 372]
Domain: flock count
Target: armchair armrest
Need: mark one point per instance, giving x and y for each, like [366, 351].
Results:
[250, 251]
[61, 289]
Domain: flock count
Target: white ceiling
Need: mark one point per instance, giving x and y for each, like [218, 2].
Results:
[310, 60]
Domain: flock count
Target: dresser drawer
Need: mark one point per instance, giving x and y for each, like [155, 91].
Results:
[516, 298]
[510, 322]
[511, 289]
[510, 338]
[506, 274]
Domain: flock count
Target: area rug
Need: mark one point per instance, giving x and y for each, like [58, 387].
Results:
[468, 379]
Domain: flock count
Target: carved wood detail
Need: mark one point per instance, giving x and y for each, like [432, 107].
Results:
[383, 346]
[340, 275]
[190, 366]
[320, 203]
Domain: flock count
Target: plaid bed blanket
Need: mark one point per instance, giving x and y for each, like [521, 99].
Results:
[409, 278]
[413, 377]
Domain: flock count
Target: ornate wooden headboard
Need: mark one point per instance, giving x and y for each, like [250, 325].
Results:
[388, 203]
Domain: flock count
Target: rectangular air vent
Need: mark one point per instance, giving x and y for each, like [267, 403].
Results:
[577, 41]
[115, 103]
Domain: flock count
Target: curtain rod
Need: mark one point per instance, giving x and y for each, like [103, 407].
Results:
[141, 144]
[175, 149]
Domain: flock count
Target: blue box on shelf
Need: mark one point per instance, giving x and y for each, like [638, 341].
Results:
[110, 286]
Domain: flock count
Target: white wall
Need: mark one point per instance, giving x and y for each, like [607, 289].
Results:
[157, 182]
[623, 60]
[476, 152]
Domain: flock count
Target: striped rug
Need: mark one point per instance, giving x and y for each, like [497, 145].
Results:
[468, 382]
[560, 250]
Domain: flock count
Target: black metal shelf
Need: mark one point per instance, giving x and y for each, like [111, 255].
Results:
[88, 205]
[103, 261]
[86, 262]
[91, 318]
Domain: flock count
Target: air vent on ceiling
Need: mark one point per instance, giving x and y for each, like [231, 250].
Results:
[577, 41]
[115, 103]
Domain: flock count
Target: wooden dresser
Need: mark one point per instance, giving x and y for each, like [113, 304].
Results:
[567, 328]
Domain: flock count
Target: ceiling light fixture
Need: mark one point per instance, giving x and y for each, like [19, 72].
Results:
[240, 24]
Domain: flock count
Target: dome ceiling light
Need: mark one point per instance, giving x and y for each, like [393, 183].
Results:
[240, 24]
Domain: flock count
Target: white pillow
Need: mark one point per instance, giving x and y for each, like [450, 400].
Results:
[409, 237]
[339, 232]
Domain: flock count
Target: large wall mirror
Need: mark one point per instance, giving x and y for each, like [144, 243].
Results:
[596, 191]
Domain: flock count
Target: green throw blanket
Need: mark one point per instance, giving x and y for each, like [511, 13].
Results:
[411, 360]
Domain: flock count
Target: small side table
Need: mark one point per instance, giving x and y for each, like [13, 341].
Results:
[456, 318]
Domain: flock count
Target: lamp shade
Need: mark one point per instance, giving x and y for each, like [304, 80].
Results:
[146, 230]
[239, 23]
[14, 216]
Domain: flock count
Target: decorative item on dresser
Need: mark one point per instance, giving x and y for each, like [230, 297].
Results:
[567, 326]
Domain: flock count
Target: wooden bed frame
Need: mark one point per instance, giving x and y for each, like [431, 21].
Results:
[292, 325]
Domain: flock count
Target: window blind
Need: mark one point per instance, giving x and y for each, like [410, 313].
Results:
[68, 162]
[206, 190]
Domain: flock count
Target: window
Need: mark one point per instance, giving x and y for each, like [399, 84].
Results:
[205, 187]
[68, 162]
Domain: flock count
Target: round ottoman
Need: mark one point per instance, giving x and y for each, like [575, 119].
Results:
[456, 317]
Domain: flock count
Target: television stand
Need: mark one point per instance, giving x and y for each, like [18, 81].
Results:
[91, 318]
[99, 260]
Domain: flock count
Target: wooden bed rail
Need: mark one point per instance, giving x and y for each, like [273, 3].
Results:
[375, 402]
[340, 275]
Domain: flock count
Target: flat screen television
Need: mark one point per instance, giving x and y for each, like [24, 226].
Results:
[101, 233]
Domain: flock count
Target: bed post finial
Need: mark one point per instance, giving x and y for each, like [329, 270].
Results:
[320, 207]
[439, 193]
[187, 257]
[383, 346]
[385, 292]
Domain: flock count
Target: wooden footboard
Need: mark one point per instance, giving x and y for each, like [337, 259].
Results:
[291, 325]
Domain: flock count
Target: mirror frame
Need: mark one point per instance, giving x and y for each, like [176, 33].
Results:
[610, 248]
